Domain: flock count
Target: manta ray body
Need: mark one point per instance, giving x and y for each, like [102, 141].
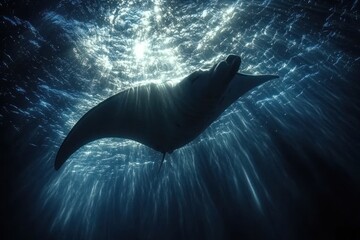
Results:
[165, 116]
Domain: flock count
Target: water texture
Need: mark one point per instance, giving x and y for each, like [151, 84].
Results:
[280, 163]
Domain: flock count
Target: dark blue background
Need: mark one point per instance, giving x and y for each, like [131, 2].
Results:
[282, 163]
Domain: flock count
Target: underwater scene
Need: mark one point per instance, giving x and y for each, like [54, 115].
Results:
[281, 161]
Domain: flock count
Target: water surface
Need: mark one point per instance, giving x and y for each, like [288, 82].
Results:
[280, 163]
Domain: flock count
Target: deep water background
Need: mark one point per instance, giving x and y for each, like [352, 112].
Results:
[280, 163]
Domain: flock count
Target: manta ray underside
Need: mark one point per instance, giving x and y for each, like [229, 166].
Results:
[164, 116]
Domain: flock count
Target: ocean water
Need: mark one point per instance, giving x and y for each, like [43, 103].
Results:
[280, 163]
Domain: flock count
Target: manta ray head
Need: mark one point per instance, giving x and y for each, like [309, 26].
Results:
[221, 74]
[210, 85]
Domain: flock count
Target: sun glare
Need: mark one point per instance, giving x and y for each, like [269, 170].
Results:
[139, 49]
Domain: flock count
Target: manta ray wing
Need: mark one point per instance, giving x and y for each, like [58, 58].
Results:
[241, 84]
[128, 114]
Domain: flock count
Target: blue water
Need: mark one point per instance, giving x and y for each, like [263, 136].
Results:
[280, 163]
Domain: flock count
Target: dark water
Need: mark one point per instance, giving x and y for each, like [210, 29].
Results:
[281, 163]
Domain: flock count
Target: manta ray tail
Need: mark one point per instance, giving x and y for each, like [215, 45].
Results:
[162, 161]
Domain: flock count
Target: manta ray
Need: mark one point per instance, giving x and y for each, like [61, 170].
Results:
[164, 116]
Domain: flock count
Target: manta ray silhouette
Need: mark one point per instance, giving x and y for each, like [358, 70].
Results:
[165, 116]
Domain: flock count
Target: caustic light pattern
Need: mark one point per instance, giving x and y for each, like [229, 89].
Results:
[281, 163]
